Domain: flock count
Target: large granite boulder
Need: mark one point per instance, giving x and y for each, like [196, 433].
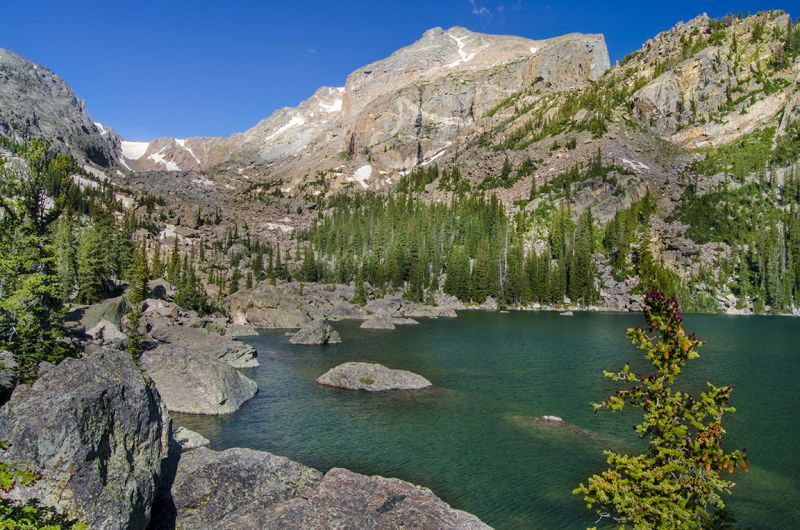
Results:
[111, 309]
[195, 383]
[97, 430]
[267, 306]
[225, 349]
[316, 332]
[371, 377]
[245, 489]
[106, 332]
[215, 489]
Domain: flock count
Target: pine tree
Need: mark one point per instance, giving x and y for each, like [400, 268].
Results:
[174, 265]
[138, 276]
[30, 305]
[156, 266]
[93, 269]
[66, 258]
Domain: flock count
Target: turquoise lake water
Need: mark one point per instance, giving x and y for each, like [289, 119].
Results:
[462, 438]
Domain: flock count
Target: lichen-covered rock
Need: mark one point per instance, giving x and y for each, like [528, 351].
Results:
[316, 332]
[349, 500]
[195, 383]
[216, 489]
[97, 430]
[225, 349]
[371, 377]
[245, 489]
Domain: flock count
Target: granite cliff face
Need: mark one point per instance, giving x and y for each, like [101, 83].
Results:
[406, 110]
[35, 102]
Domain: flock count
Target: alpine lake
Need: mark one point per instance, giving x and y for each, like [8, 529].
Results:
[470, 438]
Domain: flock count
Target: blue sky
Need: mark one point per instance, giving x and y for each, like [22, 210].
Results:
[191, 68]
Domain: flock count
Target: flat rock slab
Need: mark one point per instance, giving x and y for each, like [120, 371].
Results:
[372, 378]
[316, 332]
[232, 352]
[378, 323]
[188, 439]
[195, 383]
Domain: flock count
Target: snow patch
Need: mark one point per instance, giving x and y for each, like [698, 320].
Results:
[336, 106]
[134, 150]
[465, 57]
[103, 131]
[294, 122]
[634, 165]
[158, 158]
[361, 175]
[182, 142]
[438, 155]
[534, 50]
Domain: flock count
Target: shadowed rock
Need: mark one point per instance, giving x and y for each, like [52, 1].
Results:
[97, 430]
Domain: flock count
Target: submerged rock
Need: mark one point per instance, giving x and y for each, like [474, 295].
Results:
[225, 349]
[316, 332]
[378, 322]
[566, 314]
[371, 377]
[97, 430]
[189, 439]
[245, 489]
[195, 383]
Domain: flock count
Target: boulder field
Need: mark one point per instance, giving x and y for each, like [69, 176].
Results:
[99, 432]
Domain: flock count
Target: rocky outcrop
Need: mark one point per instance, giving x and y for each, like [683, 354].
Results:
[225, 349]
[317, 332]
[106, 332]
[196, 383]
[189, 440]
[245, 489]
[7, 366]
[372, 378]
[349, 500]
[97, 430]
[111, 310]
[36, 103]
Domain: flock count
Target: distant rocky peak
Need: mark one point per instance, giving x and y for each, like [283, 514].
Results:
[35, 102]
